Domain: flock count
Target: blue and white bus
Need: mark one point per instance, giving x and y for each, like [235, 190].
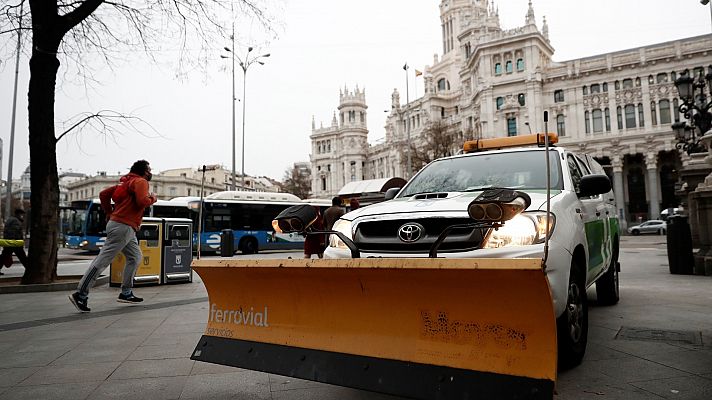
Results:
[248, 214]
[83, 223]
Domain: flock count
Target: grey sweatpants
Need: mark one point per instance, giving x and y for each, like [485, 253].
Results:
[119, 237]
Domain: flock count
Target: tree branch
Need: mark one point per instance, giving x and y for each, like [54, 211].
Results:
[103, 121]
[79, 14]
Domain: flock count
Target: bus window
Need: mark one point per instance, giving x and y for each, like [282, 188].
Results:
[95, 221]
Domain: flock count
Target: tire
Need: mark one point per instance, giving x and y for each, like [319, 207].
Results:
[248, 245]
[635, 232]
[607, 286]
[572, 325]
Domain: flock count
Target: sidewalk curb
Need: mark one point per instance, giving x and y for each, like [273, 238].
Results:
[68, 282]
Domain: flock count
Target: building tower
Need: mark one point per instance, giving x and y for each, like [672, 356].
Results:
[340, 151]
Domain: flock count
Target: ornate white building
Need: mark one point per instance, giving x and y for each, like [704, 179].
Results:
[490, 82]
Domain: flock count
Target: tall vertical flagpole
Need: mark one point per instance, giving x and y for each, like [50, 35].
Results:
[407, 123]
[8, 200]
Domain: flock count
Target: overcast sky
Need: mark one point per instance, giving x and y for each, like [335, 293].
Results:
[323, 45]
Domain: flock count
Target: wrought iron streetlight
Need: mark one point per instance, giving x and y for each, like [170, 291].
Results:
[696, 109]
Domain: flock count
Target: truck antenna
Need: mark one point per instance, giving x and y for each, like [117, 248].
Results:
[548, 186]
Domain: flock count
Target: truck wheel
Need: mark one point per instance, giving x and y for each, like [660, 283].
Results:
[248, 246]
[572, 325]
[607, 286]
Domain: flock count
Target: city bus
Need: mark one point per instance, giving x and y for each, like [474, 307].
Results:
[83, 223]
[248, 214]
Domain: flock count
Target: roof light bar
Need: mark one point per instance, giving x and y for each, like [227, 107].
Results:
[472, 146]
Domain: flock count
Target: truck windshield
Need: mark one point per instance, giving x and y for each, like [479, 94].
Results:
[514, 170]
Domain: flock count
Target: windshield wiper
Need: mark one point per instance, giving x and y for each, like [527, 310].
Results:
[486, 187]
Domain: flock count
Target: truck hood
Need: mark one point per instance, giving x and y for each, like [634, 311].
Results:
[437, 203]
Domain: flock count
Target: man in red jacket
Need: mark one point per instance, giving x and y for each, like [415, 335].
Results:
[131, 197]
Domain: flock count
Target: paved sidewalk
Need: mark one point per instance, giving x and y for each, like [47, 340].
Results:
[655, 344]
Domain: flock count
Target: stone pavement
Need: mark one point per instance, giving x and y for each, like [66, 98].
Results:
[655, 344]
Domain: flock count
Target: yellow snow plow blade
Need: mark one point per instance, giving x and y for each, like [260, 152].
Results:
[426, 328]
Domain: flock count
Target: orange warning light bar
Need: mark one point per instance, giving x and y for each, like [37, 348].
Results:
[472, 146]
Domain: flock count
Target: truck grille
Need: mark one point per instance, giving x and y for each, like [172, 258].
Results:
[382, 236]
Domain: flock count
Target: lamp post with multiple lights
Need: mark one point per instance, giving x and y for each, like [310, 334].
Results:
[244, 64]
[695, 106]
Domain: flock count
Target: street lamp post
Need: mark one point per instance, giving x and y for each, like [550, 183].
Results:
[244, 65]
[695, 108]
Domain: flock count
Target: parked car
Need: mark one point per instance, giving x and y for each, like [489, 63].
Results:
[653, 226]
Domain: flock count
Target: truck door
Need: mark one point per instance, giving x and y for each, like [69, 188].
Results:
[593, 215]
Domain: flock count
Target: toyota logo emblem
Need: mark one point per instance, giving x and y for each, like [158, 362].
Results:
[410, 232]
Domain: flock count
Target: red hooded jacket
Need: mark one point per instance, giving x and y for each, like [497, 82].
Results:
[130, 197]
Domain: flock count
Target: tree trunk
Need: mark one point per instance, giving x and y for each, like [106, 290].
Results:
[44, 181]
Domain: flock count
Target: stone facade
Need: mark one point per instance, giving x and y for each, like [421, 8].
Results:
[165, 187]
[489, 82]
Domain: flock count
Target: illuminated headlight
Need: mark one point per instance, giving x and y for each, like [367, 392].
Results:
[84, 243]
[344, 227]
[525, 229]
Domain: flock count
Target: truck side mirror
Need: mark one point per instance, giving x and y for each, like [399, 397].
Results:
[391, 193]
[593, 185]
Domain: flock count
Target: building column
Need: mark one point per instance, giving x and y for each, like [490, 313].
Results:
[652, 166]
[618, 191]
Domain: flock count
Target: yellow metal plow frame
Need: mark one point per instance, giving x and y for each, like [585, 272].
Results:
[424, 328]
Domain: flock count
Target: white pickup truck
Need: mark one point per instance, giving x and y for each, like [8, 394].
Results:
[584, 229]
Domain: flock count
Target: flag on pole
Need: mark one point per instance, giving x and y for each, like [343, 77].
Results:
[405, 66]
[418, 73]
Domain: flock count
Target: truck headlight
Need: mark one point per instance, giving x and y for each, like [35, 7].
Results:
[344, 227]
[524, 229]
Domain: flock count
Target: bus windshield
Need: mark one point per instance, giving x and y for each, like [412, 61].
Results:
[72, 220]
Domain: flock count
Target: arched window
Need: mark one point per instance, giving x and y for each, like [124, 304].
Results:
[637, 82]
[560, 125]
[662, 77]
[641, 115]
[587, 121]
[673, 76]
[664, 112]
[617, 85]
[558, 96]
[651, 80]
[605, 86]
[595, 88]
[608, 119]
[653, 113]
[597, 120]
[498, 69]
[522, 99]
[520, 65]
[442, 84]
[619, 117]
[630, 116]
[500, 102]
[627, 83]
[585, 90]
[508, 66]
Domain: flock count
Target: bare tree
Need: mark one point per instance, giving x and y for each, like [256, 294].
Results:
[436, 141]
[296, 183]
[74, 31]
